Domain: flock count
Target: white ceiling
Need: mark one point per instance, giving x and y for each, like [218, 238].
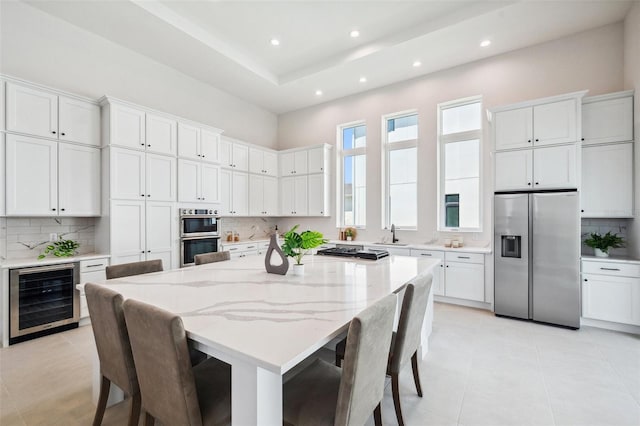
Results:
[227, 43]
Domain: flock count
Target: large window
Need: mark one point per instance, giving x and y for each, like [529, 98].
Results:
[352, 182]
[459, 140]
[400, 206]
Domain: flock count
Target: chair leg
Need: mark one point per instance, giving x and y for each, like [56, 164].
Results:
[395, 390]
[148, 419]
[105, 385]
[338, 360]
[377, 416]
[134, 414]
[416, 375]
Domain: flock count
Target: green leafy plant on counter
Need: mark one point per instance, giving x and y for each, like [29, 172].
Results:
[296, 244]
[604, 242]
[60, 248]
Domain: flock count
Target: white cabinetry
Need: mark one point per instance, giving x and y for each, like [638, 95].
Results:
[234, 155]
[318, 194]
[317, 160]
[91, 271]
[79, 121]
[160, 178]
[293, 163]
[78, 180]
[234, 191]
[158, 240]
[126, 126]
[464, 276]
[608, 118]
[161, 134]
[137, 176]
[209, 146]
[514, 170]
[263, 196]
[263, 162]
[514, 128]
[198, 143]
[438, 273]
[555, 167]
[294, 196]
[198, 182]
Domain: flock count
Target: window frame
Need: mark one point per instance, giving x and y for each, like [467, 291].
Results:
[442, 140]
[387, 147]
[341, 153]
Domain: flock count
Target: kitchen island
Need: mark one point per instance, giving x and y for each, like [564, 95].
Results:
[265, 324]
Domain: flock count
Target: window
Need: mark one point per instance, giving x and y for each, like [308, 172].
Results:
[459, 140]
[400, 152]
[352, 201]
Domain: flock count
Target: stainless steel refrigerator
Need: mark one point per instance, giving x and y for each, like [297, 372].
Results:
[537, 257]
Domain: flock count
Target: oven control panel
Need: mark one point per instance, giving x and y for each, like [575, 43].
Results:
[187, 212]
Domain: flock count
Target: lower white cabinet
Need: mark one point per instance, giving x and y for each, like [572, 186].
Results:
[464, 281]
[607, 180]
[159, 233]
[251, 248]
[263, 196]
[234, 193]
[438, 274]
[91, 271]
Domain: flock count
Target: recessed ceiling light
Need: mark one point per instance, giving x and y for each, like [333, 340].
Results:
[417, 63]
[485, 43]
[318, 92]
[275, 42]
[354, 33]
[363, 79]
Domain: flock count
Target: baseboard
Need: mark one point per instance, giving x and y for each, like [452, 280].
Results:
[626, 328]
[463, 302]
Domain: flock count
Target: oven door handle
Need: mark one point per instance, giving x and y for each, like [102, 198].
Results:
[27, 271]
[206, 237]
[199, 216]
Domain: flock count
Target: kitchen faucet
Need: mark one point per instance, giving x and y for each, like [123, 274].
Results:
[393, 234]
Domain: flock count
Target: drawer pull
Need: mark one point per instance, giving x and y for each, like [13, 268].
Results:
[464, 257]
[426, 254]
[94, 266]
[251, 247]
[232, 248]
[610, 269]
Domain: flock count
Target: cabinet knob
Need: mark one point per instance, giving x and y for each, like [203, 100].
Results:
[142, 251]
[53, 210]
[537, 140]
[149, 146]
[148, 195]
[447, 266]
[582, 140]
[142, 195]
[529, 141]
[63, 134]
[582, 211]
[202, 155]
[62, 210]
[529, 183]
[148, 251]
[537, 183]
[142, 144]
[53, 131]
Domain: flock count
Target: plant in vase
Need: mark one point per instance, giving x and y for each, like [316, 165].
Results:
[60, 248]
[296, 245]
[602, 243]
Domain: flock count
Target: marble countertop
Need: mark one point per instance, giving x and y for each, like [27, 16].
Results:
[231, 243]
[21, 263]
[235, 308]
[614, 259]
[466, 249]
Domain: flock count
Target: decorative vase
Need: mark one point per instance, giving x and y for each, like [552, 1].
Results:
[298, 269]
[349, 238]
[600, 253]
[281, 268]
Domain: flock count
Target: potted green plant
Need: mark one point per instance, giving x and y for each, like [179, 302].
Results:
[60, 248]
[296, 245]
[602, 243]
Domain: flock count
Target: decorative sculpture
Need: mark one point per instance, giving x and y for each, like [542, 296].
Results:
[283, 267]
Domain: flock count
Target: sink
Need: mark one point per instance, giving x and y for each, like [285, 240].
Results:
[392, 244]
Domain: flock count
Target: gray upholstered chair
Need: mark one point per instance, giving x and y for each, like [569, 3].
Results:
[134, 268]
[114, 350]
[405, 342]
[323, 394]
[217, 256]
[172, 391]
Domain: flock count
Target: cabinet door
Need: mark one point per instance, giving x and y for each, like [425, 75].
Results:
[226, 152]
[162, 136]
[287, 165]
[3, 175]
[78, 180]
[607, 181]
[270, 196]
[270, 163]
[209, 146]
[188, 181]
[240, 157]
[127, 127]
[32, 176]
[79, 121]
[256, 161]
[160, 178]
[514, 128]
[464, 281]
[301, 196]
[555, 123]
[287, 196]
[159, 232]
[300, 162]
[316, 160]
[555, 167]
[226, 208]
[127, 231]
[317, 196]
[188, 141]
[210, 183]
[608, 121]
[514, 170]
[256, 195]
[31, 111]
[608, 298]
[127, 174]
[240, 194]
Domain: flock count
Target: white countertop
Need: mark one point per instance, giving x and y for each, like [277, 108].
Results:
[52, 260]
[613, 259]
[238, 309]
[466, 249]
[232, 243]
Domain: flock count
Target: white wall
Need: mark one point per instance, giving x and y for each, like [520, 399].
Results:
[38, 47]
[632, 81]
[590, 60]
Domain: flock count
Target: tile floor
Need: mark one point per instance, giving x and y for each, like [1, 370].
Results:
[481, 370]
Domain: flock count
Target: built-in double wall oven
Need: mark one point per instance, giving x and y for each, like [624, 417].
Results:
[199, 233]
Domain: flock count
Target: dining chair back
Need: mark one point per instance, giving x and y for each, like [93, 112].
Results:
[134, 268]
[217, 256]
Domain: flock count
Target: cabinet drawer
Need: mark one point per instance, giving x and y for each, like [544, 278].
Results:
[93, 265]
[464, 257]
[611, 268]
[435, 254]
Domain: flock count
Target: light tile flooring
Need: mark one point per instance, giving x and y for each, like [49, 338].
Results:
[481, 370]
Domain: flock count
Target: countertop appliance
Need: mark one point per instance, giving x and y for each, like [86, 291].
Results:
[357, 251]
[199, 233]
[537, 256]
[43, 299]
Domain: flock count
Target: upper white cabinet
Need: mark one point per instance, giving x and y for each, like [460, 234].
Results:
[263, 196]
[514, 170]
[317, 160]
[161, 134]
[263, 162]
[318, 194]
[294, 196]
[198, 182]
[127, 174]
[128, 242]
[608, 118]
[160, 178]
[234, 193]
[555, 167]
[234, 155]
[78, 180]
[38, 112]
[189, 141]
[607, 180]
[126, 127]
[514, 128]
[292, 163]
[209, 146]
[555, 122]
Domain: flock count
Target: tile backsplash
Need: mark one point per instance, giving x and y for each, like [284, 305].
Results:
[25, 237]
[249, 228]
[602, 226]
